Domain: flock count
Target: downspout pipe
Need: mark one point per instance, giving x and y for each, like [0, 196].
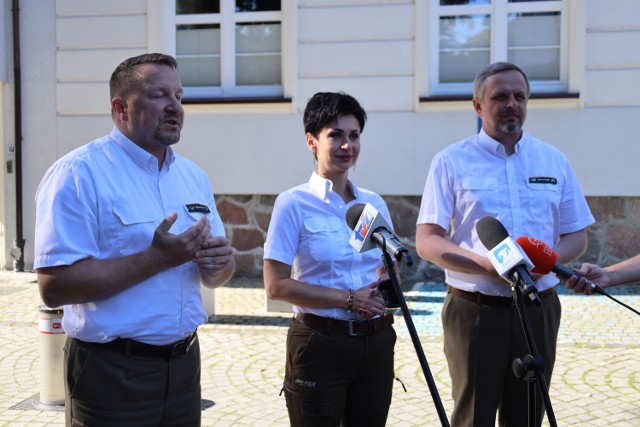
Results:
[17, 252]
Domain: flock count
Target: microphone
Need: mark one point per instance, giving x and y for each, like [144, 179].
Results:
[507, 257]
[544, 258]
[371, 230]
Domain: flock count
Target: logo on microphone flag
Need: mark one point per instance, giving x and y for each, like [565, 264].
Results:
[364, 225]
[503, 253]
[506, 255]
[368, 221]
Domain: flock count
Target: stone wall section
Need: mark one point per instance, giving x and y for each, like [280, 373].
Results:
[615, 235]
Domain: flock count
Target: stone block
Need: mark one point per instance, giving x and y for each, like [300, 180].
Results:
[245, 239]
[232, 213]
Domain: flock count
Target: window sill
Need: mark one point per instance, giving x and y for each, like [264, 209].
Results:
[237, 105]
[537, 100]
[245, 100]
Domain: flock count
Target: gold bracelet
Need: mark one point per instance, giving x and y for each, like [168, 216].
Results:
[350, 300]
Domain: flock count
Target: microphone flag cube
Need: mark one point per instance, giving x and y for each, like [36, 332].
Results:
[368, 222]
[506, 255]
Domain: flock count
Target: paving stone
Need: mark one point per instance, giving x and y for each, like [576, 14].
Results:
[596, 381]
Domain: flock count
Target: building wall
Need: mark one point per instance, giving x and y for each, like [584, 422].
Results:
[6, 115]
[615, 235]
[364, 47]
[6, 134]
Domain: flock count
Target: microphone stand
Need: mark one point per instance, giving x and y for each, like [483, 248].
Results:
[530, 367]
[390, 267]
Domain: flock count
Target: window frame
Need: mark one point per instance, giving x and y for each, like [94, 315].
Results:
[162, 16]
[428, 49]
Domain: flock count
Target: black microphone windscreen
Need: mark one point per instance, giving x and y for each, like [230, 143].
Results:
[491, 231]
[353, 214]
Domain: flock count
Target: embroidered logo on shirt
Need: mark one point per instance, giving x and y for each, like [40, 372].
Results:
[197, 207]
[543, 180]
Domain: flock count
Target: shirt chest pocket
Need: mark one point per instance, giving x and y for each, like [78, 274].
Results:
[479, 191]
[323, 236]
[544, 197]
[479, 183]
[134, 227]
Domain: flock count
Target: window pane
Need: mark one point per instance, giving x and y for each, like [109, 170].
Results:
[461, 68]
[198, 39]
[258, 70]
[184, 7]
[541, 64]
[258, 54]
[464, 47]
[534, 29]
[258, 37]
[199, 71]
[257, 5]
[198, 54]
[534, 44]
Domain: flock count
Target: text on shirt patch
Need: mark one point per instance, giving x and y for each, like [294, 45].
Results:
[306, 383]
[543, 180]
[197, 207]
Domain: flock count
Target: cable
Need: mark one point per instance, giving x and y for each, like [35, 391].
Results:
[620, 302]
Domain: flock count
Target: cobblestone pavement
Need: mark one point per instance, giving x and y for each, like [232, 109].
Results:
[596, 380]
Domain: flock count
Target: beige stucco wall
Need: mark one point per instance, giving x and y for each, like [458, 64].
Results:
[69, 48]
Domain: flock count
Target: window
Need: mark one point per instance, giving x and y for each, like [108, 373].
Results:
[229, 48]
[465, 35]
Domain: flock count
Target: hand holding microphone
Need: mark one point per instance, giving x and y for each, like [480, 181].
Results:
[544, 259]
[370, 230]
[592, 273]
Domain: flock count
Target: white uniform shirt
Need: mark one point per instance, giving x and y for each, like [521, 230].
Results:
[533, 193]
[104, 200]
[308, 231]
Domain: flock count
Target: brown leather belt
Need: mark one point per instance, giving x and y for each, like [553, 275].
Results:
[130, 347]
[492, 300]
[353, 328]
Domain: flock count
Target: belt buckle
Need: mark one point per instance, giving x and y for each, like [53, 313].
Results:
[178, 349]
[352, 332]
[182, 347]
